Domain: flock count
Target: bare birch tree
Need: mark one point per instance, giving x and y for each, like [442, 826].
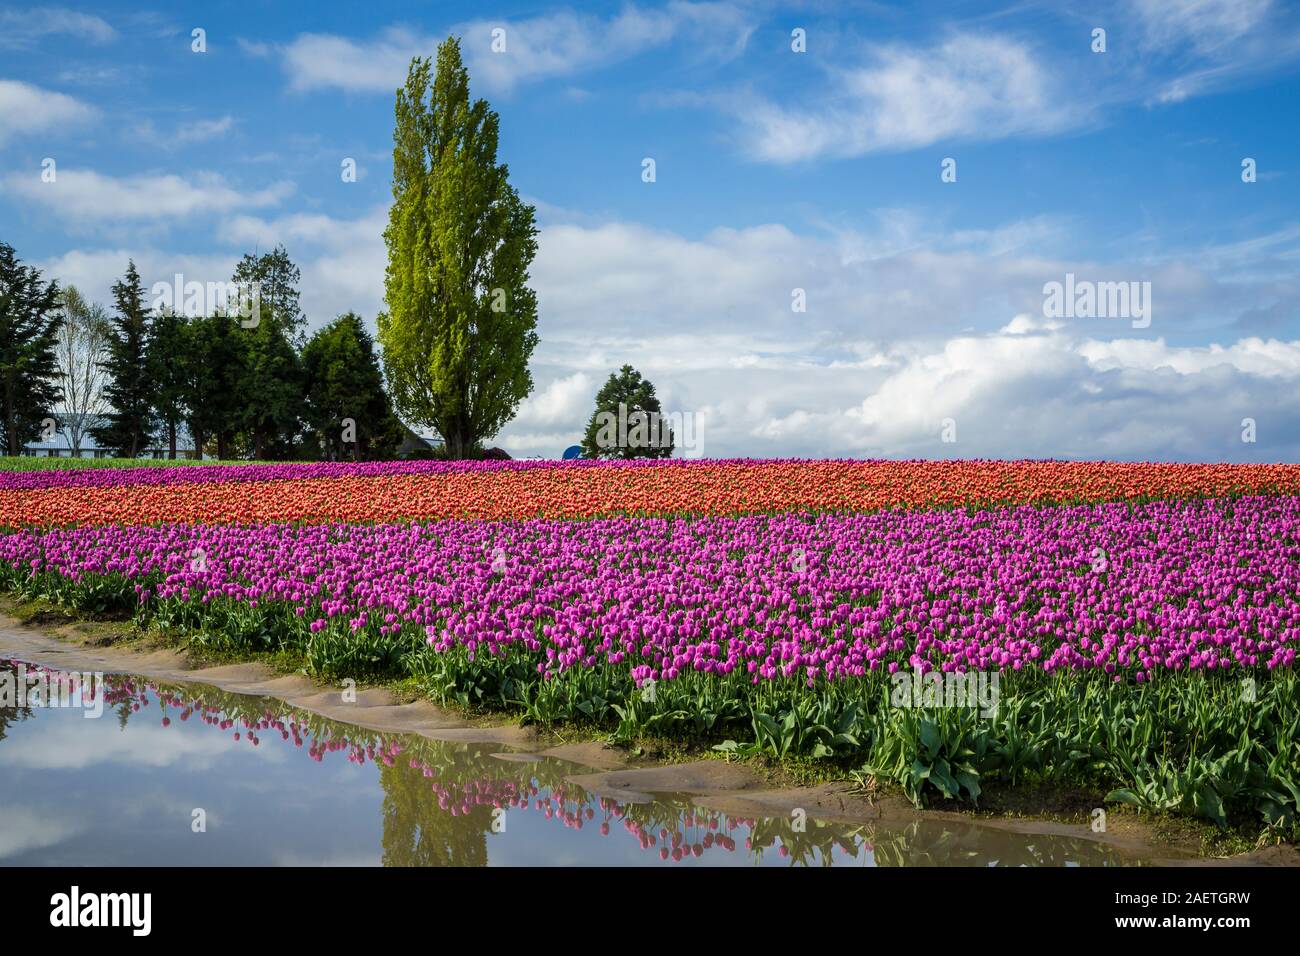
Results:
[83, 341]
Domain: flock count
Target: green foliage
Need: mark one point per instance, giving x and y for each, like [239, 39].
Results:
[626, 422]
[344, 381]
[942, 751]
[130, 390]
[214, 360]
[811, 725]
[29, 327]
[240, 388]
[165, 350]
[28, 463]
[460, 322]
[1190, 743]
[276, 278]
[271, 389]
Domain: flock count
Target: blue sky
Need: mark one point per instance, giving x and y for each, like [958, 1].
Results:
[775, 170]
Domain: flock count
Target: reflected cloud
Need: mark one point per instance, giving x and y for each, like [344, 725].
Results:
[24, 829]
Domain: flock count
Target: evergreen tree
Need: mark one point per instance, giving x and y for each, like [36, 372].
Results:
[213, 359]
[165, 353]
[627, 422]
[277, 279]
[344, 383]
[129, 393]
[29, 371]
[271, 390]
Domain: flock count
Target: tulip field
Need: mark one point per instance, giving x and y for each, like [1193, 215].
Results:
[1141, 619]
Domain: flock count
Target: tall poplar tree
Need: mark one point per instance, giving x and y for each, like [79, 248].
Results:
[460, 322]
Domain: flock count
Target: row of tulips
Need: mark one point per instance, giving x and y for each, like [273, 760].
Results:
[393, 491]
[1129, 590]
[694, 584]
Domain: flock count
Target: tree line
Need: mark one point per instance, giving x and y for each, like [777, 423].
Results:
[137, 377]
[456, 335]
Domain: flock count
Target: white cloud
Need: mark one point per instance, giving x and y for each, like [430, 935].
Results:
[197, 131]
[26, 830]
[82, 74]
[906, 325]
[23, 27]
[256, 48]
[200, 130]
[1018, 392]
[85, 195]
[901, 323]
[559, 403]
[1255, 356]
[1055, 394]
[565, 43]
[26, 109]
[903, 328]
[70, 745]
[94, 271]
[551, 45]
[185, 134]
[337, 275]
[324, 61]
[970, 87]
[1190, 48]
[1204, 24]
[342, 260]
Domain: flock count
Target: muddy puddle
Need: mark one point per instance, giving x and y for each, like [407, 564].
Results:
[143, 771]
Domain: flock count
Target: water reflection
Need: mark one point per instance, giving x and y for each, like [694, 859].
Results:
[281, 785]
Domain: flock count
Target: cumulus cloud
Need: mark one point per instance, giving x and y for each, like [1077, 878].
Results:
[905, 326]
[27, 109]
[65, 745]
[970, 86]
[94, 271]
[1030, 389]
[342, 260]
[901, 333]
[556, 44]
[1052, 393]
[86, 195]
[561, 402]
